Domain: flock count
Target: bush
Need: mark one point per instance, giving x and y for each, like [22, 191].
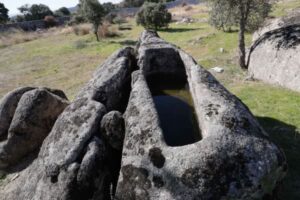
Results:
[105, 31]
[63, 11]
[153, 16]
[110, 17]
[119, 20]
[82, 29]
[50, 21]
[76, 19]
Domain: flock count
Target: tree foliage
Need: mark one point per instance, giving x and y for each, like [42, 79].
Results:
[226, 14]
[35, 11]
[63, 11]
[132, 3]
[108, 7]
[3, 14]
[248, 15]
[93, 12]
[139, 3]
[153, 16]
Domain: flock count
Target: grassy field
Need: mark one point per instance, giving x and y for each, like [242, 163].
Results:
[66, 61]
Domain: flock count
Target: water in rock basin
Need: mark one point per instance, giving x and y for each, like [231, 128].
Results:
[175, 109]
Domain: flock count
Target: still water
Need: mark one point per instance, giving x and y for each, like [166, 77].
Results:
[175, 109]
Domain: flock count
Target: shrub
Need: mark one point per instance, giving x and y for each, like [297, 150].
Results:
[63, 11]
[82, 29]
[110, 17]
[106, 30]
[153, 16]
[76, 19]
[50, 21]
[119, 20]
[188, 8]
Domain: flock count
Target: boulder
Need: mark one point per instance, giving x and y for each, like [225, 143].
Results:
[292, 18]
[110, 84]
[113, 129]
[34, 116]
[156, 56]
[76, 160]
[8, 105]
[234, 160]
[274, 57]
[69, 155]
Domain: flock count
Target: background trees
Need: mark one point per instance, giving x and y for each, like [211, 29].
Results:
[93, 12]
[248, 15]
[3, 14]
[35, 11]
[153, 16]
[63, 11]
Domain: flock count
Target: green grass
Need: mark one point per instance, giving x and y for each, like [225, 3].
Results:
[66, 61]
[282, 8]
[278, 111]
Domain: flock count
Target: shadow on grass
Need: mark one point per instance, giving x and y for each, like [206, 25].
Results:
[287, 137]
[178, 30]
[128, 42]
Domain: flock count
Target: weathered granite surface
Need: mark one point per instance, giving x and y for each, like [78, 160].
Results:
[8, 106]
[88, 156]
[74, 162]
[28, 115]
[234, 160]
[113, 88]
[274, 57]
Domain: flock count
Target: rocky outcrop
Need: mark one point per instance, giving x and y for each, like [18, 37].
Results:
[113, 129]
[28, 115]
[8, 106]
[113, 88]
[158, 57]
[274, 57]
[292, 18]
[234, 159]
[74, 160]
[108, 143]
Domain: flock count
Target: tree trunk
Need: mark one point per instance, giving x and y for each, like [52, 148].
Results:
[242, 51]
[97, 37]
[96, 31]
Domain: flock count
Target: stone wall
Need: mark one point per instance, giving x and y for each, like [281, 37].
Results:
[32, 25]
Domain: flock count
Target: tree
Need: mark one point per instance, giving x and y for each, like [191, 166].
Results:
[63, 11]
[108, 7]
[93, 12]
[35, 11]
[132, 3]
[3, 14]
[19, 18]
[153, 16]
[248, 15]
[139, 3]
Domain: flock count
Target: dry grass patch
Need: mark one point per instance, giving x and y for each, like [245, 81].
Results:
[17, 36]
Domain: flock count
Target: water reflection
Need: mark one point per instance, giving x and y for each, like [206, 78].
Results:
[175, 109]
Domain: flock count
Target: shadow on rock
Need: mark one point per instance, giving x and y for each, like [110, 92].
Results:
[128, 42]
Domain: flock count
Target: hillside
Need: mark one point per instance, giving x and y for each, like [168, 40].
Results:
[66, 61]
